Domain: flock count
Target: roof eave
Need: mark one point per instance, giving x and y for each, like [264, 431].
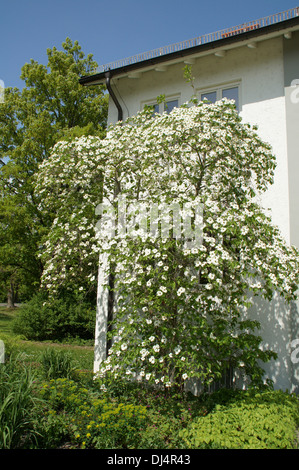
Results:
[220, 43]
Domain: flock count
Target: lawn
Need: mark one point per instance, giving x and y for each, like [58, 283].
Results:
[6, 317]
[83, 355]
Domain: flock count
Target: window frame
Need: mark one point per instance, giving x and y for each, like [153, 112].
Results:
[161, 106]
[219, 91]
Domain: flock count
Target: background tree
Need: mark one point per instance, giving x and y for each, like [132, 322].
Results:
[51, 106]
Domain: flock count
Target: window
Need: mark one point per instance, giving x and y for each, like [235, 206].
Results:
[169, 105]
[231, 93]
[212, 96]
[166, 106]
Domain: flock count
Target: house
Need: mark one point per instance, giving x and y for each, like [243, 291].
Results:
[257, 65]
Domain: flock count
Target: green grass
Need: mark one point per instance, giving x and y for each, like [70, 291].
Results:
[6, 317]
[83, 355]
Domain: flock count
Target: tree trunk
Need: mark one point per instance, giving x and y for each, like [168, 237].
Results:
[11, 296]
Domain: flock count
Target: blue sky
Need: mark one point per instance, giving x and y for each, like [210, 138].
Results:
[113, 29]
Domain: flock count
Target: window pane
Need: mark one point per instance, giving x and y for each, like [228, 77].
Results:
[232, 94]
[169, 105]
[209, 96]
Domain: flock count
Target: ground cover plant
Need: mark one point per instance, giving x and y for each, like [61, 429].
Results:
[70, 409]
[248, 420]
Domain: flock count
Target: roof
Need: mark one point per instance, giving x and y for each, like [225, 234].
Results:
[227, 38]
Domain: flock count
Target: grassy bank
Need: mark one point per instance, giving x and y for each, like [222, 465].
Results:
[82, 354]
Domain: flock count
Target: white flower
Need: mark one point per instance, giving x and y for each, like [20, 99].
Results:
[156, 348]
[180, 291]
[123, 347]
[152, 360]
[152, 338]
[184, 376]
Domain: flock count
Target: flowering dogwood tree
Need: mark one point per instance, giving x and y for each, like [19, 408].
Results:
[181, 309]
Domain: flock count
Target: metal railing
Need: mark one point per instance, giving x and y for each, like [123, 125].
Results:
[206, 38]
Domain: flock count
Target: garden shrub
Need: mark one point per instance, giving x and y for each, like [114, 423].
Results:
[11, 345]
[55, 319]
[265, 420]
[95, 422]
[112, 425]
[167, 412]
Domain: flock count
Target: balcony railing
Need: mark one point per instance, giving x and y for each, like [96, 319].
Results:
[206, 38]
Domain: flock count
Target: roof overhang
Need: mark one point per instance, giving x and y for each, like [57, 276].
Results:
[249, 38]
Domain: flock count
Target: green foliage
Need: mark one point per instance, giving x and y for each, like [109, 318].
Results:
[57, 364]
[51, 106]
[17, 402]
[55, 319]
[252, 420]
[65, 413]
[167, 412]
[96, 422]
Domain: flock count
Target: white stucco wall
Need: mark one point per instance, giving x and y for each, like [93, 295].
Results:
[260, 73]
